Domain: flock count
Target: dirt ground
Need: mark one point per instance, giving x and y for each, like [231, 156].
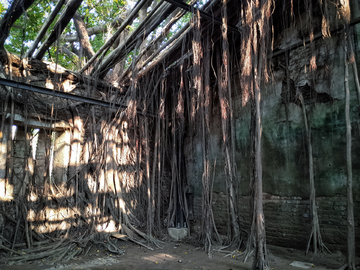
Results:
[183, 255]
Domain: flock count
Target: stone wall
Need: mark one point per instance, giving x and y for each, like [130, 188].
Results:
[285, 156]
[38, 168]
[288, 220]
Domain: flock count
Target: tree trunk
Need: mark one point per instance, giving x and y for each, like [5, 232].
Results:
[107, 45]
[3, 140]
[97, 29]
[260, 259]
[83, 36]
[315, 234]
[234, 230]
[155, 163]
[350, 200]
[148, 186]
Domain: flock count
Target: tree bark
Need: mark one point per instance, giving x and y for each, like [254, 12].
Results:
[315, 234]
[96, 29]
[313, 212]
[226, 85]
[350, 200]
[142, 31]
[107, 45]
[153, 45]
[354, 66]
[148, 185]
[260, 260]
[83, 36]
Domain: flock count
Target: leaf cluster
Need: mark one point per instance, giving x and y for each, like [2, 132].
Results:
[92, 12]
[26, 28]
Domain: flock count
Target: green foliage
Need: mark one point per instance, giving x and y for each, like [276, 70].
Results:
[97, 12]
[2, 9]
[93, 12]
[26, 28]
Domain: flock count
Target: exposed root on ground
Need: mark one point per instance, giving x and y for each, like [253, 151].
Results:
[66, 248]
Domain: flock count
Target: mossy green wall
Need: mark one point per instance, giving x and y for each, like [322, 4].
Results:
[284, 144]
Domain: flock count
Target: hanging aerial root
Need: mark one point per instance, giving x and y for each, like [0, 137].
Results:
[315, 231]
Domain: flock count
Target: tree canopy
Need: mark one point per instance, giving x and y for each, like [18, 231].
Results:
[100, 20]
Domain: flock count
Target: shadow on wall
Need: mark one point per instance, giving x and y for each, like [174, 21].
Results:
[54, 182]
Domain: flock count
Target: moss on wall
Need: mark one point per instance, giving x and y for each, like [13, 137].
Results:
[285, 154]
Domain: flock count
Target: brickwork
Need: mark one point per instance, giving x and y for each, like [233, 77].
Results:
[288, 219]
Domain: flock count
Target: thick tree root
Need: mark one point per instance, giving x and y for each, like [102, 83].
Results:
[346, 267]
[65, 249]
[129, 231]
[248, 254]
[260, 265]
[320, 244]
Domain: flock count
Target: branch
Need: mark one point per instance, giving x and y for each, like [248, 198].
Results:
[128, 21]
[175, 16]
[13, 13]
[45, 26]
[171, 52]
[68, 52]
[96, 29]
[202, 13]
[143, 30]
[83, 35]
[60, 25]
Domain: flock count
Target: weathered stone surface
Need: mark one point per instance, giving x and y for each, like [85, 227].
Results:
[285, 156]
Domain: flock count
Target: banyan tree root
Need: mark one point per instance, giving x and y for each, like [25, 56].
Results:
[65, 249]
[315, 234]
[346, 267]
[131, 232]
[50, 251]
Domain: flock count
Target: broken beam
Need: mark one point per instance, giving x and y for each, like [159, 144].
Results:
[202, 13]
[46, 91]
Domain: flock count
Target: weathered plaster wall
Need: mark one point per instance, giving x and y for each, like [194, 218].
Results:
[285, 156]
[37, 168]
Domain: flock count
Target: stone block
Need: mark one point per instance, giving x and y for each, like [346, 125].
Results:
[178, 233]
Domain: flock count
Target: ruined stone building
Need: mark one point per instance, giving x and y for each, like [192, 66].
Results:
[221, 120]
